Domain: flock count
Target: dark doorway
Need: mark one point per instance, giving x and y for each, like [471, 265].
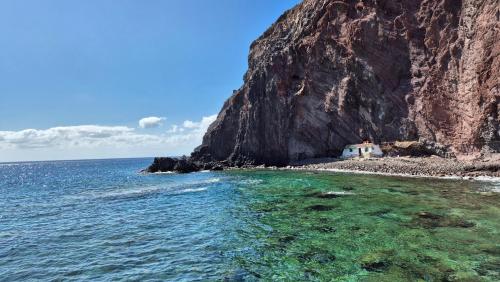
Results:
[359, 152]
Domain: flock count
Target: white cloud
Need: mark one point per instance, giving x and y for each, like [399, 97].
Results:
[94, 141]
[203, 124]
[64, 135]
[175, 129]
[190, 124]
[151, 122]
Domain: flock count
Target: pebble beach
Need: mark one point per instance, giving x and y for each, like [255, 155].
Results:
[432, 166]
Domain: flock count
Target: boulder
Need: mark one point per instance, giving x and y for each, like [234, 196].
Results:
[185, 166]
[162, 164]
[167, 164]
[420, 148]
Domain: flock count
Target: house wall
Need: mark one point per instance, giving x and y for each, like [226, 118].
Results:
[347, 154]
[377, 151]
[373, 151]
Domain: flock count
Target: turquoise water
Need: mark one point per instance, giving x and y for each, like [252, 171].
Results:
[102, 220]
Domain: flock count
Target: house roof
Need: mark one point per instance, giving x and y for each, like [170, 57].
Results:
[363, 145]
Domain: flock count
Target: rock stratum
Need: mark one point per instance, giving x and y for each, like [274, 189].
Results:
[330, 73]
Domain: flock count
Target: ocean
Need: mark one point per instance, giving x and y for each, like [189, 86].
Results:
[101, 220]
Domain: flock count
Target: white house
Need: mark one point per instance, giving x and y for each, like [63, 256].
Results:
[365, 150]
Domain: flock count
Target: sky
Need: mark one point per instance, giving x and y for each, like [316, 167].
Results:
[120, 78]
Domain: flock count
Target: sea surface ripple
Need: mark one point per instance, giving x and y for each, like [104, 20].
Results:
[102, 220]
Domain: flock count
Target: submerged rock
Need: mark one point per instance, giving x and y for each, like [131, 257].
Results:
[491, 249]
[431, 220]
[326, 228]
[348, 188]
[380, 213]
[240, 275]
[286, 239]
[490, 267]
[460, 222]
[330, 195]
[320, 208]
[377, 261]
[321, 256]
[429, 215]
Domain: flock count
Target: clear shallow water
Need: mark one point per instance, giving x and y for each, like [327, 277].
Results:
[101, 220]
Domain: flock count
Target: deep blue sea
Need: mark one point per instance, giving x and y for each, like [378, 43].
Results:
[101, 220]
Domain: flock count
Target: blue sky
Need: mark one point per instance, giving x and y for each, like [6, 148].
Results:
[110, 63]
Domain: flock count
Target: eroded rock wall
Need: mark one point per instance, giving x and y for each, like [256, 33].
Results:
[330, 73]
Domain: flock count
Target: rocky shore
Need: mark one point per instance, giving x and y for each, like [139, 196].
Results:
[410, 166]
[432, 166]
[181, 165]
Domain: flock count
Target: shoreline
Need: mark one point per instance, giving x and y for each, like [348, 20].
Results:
[485, 169]
[483, 178]
[416, 167]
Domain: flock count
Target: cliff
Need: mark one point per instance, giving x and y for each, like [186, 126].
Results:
[329, 73]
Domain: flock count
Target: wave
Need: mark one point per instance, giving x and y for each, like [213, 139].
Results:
[212, 180]
[339, 193]
[130, 193]
[191, 190]
[136, 192]
[488, 179]
[251, 181]
[10, 164]
[493, 181]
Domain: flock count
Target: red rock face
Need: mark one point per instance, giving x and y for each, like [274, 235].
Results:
[330, 73]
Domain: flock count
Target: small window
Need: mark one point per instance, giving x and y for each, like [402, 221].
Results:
[366, 149]
[350, 150]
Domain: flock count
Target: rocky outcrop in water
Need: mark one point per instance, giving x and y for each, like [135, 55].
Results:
[182, 165]
[329, 73]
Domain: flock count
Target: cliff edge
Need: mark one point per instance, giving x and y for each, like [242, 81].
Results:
[330, 73]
